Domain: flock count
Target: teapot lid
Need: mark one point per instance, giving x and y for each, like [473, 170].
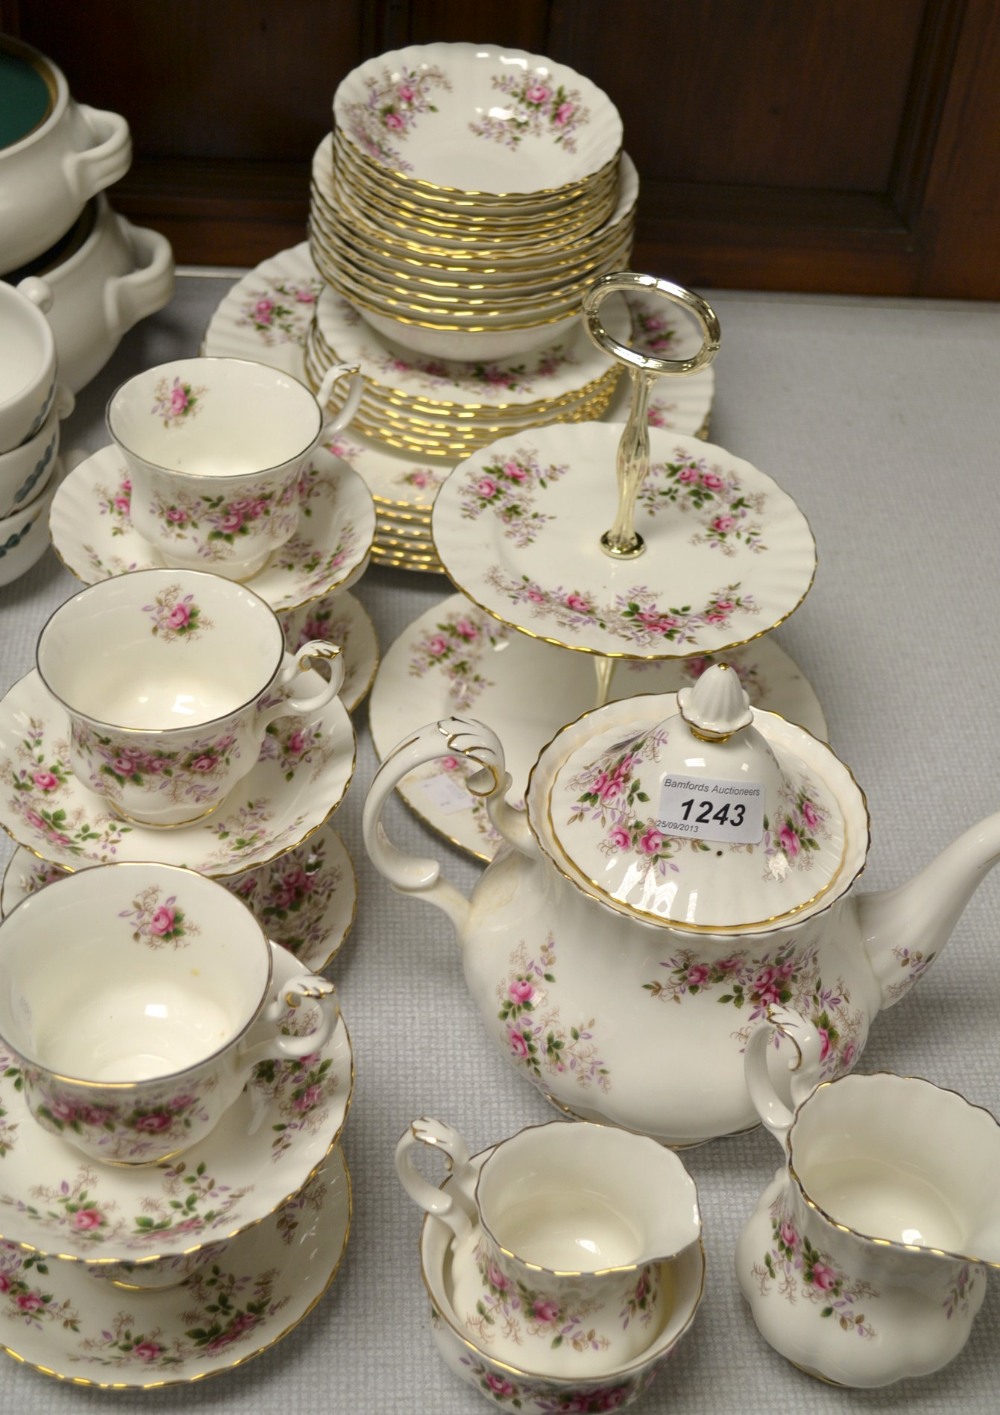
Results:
[715, 817]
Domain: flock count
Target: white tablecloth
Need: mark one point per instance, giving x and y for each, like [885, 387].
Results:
[882, 419]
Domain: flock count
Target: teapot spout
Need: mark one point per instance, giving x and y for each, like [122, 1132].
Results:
[903, 930]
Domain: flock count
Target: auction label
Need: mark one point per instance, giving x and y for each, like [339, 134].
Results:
[699, 809]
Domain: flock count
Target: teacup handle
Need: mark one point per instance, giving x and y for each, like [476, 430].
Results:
[298, 662]
[309, 987]
[351, 403]
[455, 1206]
[805, 1066]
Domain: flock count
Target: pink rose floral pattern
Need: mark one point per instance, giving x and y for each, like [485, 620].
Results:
[795, 1268]
[117, 504]
[692, 485]
[26, 1298]
[126, 1131]
[611, 794]
[38, 777]
[174, 401]
[652, 331]
[456, 648]
[508, 489]
[489, 380]
[751, 983]
[636, 618]
[226, 1310]
[281, 313]
[229, 518]
[423, 479]
[175, 616]
[299, 1089]
[381, 123]
[535, 1396]
[533, 107]
[183, 777]
[156, 921]
[520, 1311]
[292, 897]
[538, 1041]
[295, 745]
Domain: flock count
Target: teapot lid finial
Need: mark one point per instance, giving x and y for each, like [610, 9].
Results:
[716, 705]
[697, 811]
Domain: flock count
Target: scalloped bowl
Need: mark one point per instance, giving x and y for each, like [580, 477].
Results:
[477, 119]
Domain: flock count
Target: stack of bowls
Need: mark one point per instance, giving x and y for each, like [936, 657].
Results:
[469, 197]
[466, 200]
[32, 406]
[100, 274]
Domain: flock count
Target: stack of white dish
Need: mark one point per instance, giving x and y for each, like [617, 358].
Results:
[32, 406]
[466, 200]
[473, 196]
[98, 274]
[178, 1159]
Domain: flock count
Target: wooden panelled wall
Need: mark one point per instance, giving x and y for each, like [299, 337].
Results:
[837, 145]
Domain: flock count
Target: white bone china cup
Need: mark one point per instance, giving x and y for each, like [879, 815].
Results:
[170, 679]
[137, 1000]
[216, 449]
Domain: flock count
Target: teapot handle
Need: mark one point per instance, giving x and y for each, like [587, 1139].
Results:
[781, 1024]
[451, 736]
[456, 1206]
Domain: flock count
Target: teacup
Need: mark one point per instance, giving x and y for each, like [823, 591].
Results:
[25, 471]
[137, 999]
[216, 449]
[170, 679]
[563, 1239]
[27, 367]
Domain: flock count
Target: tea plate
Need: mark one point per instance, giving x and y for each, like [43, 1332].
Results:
[266, 316]
[306, 899]
[301, 776]
[93, 535]
[68, 1323]
[728, 554]
[456, 659]
[268, 1144]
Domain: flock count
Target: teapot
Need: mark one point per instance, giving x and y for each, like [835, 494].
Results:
[865, 1260]
[680, 865]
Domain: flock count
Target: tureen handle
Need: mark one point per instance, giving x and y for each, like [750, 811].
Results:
[449, 737]
[782, 1025]
[456, 1205]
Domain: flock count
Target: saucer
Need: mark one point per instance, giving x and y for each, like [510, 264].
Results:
[266, 316]
[456, 659]
[300, 777]
[306, 900]
[268, 1144]
[343, 620]
[93, 535]
[70, 1324]
[728, 554]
